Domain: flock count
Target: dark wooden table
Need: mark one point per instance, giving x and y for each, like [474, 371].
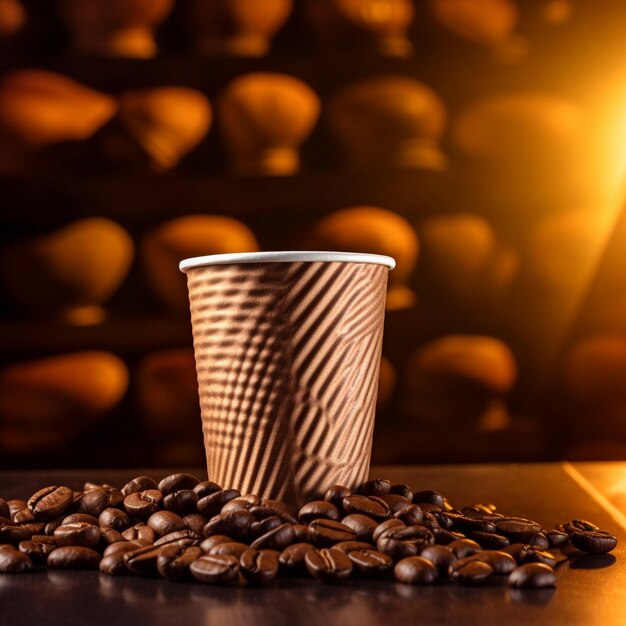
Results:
[591, 590]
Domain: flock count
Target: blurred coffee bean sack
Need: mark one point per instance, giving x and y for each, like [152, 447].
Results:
[480, 143]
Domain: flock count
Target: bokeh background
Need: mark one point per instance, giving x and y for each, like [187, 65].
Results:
[482, 143]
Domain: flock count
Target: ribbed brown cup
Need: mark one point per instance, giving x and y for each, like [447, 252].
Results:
[287, 356]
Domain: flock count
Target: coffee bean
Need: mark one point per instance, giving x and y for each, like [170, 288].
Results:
[121, 547]
[113, 564]
[212, 503]
[79, 517]
[428, 497]
[215, 569]
[49, 502]
[15, 533]
[402, 490]
[300, 532]
[371, 563]
[234, 524]
[445, 537]
[195, 522]
[362, 525]
[555, 538]
[404, 541]
[594, 542]
[268, 508]
[12, 561]
[415, 570]
[376, 487]
[77, 534]
[349, 546]
[173, 562]
[466, 524]
[386, 525]
[37, 552]
[265, 525]
[177, 482]
[519, 551]
[238, 504]
[181, 502]
[209, 542]
[318, 509]
[25, 516]
[517, 529]
[116, 497]
[579, 525]
[471, 573]
[489, 541]
[258, 567]
[371, 506]
[181, 537]
[206, 488]
[395, 502]
[463, 547]
[73, 557]
[110, 535]
[139, 483]
[431, 522]
[410, 514]
[532, 575]
[328, 564]
[501, 562]
[234, 548]
[291, 559]
[4, 509]
[165, 522]
[143, 561]
[325, 533]
[276, 539]
[536, 555]
[336, 494]
[140, 531]
[114, 518]
[143, 504]
[93, 502]
[481, 511]
[440, 557]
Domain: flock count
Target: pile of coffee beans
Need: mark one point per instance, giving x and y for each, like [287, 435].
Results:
[184, 529]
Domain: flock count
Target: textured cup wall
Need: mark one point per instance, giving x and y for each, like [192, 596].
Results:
[287, 356]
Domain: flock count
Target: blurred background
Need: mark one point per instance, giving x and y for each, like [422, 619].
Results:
[482, 143]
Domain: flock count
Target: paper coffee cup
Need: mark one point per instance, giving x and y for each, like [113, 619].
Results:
[287, 348]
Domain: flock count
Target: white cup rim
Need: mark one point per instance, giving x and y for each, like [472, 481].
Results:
[286, 257]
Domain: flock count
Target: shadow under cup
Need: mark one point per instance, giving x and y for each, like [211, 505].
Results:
[287, 348]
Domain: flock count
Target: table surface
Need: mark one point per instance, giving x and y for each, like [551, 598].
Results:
[591, 590]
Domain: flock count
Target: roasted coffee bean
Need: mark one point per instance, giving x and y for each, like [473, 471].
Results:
[177, 482]
[402, 490]
[362, 525]
[428, 497]
[430, 521]
[532, 575]
[376, 487]
[501, 562]
[276, 539]
[258, 567]
[43, 539]
[182, 537]
[52, 525]
[579, 525]
[80, 517]
[489, 541]
[181, 502]
[252, 498]
[238, 504]
[291, 559]
[536, 555]
[328, 564]
[234, 548]
[594, 542]
[301, 532]
[215, 569]
[384, 526]
[110, 535]
[195, 522]
[139, 483]
[555, 538]
[4, 509]
[209, 542]
[466, 524]
[114, 518]
[519, 551]
[535, 539]
[318, 509]
[371, 563]
[471, 573]
[116, 497]
[410, 515]
[265, 525]
[36, 551]
[165, 522]
[73, 557]
[77, 534]
[463, 547]
[15, 533]
[93, 502]
[442, 517]
[274, 507]
[325, 533]
[405, 541]
[121, 547]
[336, 494]
[367, 505]
[517, 529]
[440, 557]
[206, 488]
[12, 561]
[50, 502]
[140, 531]
[395, 502]
[415, 570]
[445, 537]
[234, 524]
[212, 503]
[428, 507]
[113, 564]
[143, 561]
[25, 516]
[173, 562]
[143, 504]
[486, 511]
